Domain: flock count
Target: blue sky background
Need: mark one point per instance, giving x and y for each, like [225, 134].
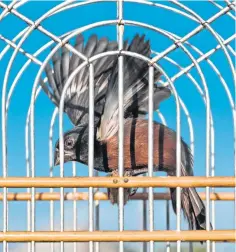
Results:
[72, 19]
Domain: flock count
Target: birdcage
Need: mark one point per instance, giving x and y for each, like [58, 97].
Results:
[67, 208]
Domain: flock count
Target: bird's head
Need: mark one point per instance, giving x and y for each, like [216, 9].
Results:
[72, 141]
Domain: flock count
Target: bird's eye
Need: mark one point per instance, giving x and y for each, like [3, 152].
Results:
[69, 143]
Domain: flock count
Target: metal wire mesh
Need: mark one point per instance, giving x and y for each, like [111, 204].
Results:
[57, 184]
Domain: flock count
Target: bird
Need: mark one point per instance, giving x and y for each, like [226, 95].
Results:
[106, 104]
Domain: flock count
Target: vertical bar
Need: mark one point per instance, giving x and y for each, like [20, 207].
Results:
[51, 209]
[91, 150]
[178, 161]
[4, 164]
[32, 134]
[168, 222]
[178, 174]
[212, 137]
[97, 218]
[234, 129]
[163, 121]
[5, 206]
[62, 208]
[51, 165]
[28, 121]
[208, 243]
[61, 214]
[120, 33]
[191, 146]
[4, 159]
[150, 152]
[5, 211]
[144, 218]
[74, 206]
[61, 149]
[27, 174]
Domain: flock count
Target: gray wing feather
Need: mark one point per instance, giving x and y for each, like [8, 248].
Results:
[63, 64]
[75, 60]
[160, 94]
[57, 68]
[88, 52]
[52, 82]
[135, 89]
[47, 91]
[65, 61]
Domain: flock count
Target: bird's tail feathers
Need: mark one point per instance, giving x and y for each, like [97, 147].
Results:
[192, 205]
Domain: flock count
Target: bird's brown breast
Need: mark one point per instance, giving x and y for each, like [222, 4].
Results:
[136, 146]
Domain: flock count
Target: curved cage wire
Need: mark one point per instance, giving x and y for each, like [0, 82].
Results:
[193, 46]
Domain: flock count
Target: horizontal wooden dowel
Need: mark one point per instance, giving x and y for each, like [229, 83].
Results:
[115, 182]
[45, 196]
[115, 236]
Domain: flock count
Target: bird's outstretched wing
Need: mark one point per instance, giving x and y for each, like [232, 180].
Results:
[77, 95]
[136, 73]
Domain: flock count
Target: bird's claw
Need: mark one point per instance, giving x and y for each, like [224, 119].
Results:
[133, 191]
[113, 193]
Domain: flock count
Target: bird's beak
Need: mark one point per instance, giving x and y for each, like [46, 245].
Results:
[68, 156]
[56, 157]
